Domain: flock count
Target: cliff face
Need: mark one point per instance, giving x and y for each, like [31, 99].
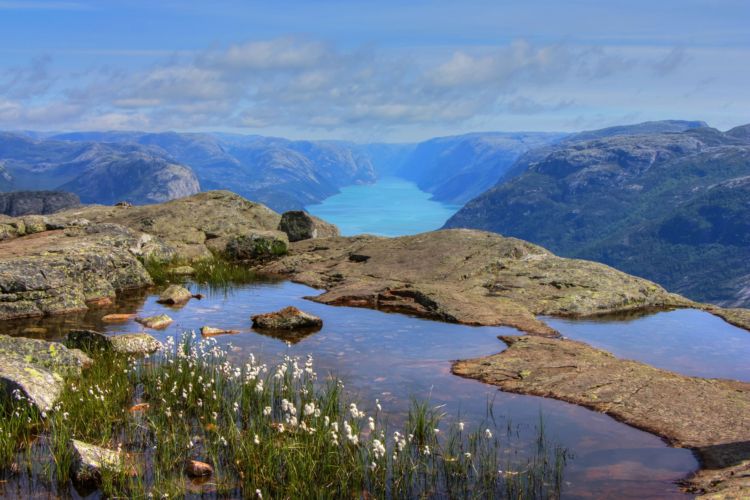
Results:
[671, 207]
[36, 202]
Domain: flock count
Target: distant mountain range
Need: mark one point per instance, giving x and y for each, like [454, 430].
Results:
[106, 167]
[669, 201]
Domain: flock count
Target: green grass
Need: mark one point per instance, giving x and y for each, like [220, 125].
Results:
[214, 272]
[277, 430]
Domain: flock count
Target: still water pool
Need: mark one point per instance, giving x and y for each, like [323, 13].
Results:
[389, 207]
[394, 357]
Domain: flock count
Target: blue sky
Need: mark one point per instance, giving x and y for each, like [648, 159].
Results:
[395, 71]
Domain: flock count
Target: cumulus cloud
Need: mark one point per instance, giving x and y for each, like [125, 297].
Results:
[307, 84]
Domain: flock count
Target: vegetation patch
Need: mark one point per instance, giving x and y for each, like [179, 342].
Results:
[255, 430]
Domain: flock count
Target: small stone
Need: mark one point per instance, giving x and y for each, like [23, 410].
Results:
[139, 408]
[289, 318]
[195, 468]
[175, 295]
[117, 318]
[158, 322]
[209, 331]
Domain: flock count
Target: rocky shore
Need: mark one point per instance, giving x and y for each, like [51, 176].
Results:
[63, 262]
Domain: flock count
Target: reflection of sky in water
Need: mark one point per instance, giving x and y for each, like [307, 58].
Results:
[393, 357]
[686, 341]
[389, 207]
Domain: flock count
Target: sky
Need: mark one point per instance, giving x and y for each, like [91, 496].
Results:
[393, 71]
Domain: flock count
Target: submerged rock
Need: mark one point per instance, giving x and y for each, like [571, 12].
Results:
[118, 318]
[175, 295]
[299, 225]
[90, 461]
[158, 322]
[289, 318]
[126, 343]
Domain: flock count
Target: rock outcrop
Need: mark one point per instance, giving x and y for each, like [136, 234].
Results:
[60, 271]
[299, 225]
[465, 276]
[289, 318]
[20, 203]
[194, 226]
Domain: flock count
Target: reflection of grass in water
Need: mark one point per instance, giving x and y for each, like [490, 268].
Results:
[215, 273]
[276, 430]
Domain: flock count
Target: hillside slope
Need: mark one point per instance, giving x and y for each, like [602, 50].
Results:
[671, 207]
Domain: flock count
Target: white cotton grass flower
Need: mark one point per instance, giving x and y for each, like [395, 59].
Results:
[488, 434]
[378, 449]
[461, 426]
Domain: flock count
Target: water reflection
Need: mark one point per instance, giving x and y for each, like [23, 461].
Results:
[394, 357]
[686, 341]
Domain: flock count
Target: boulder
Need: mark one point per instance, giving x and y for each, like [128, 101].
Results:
[257, 246]
[89, 461]
[289, 318]
[299, 225]
[158, 322]
[127, 343]
[57, 272]
[52, 356]
[42, 387]
[175, 295]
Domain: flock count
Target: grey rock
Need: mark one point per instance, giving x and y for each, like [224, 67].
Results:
[299, 225]
[36, 202]
[90, 461]
[257, 246]
[175, 295]
[124, 343]
[289, 318]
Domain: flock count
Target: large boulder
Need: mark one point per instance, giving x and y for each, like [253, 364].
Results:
[289, 318]
[299, 225]
[257, 246]
[126, 343]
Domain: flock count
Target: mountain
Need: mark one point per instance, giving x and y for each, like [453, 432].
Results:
[20, 203]
[673, 207]
[97, 172]
[280, 173]
[457, 168]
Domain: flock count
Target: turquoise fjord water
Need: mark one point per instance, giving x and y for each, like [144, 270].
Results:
[389, 207]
